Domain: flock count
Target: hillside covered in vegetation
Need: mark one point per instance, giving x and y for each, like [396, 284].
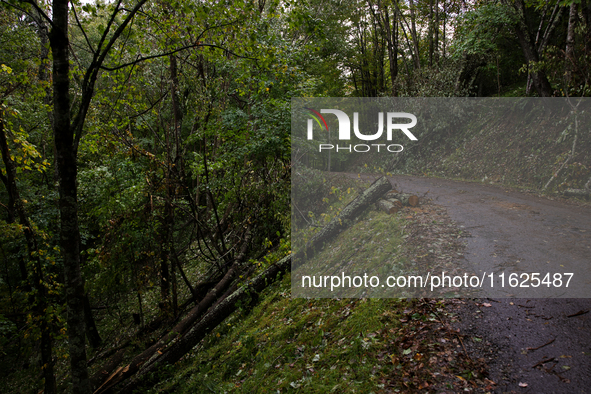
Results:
[145, 221]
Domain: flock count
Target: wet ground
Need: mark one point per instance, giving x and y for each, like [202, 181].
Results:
[532, 341]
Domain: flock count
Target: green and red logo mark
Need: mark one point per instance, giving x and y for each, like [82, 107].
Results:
[315, 115]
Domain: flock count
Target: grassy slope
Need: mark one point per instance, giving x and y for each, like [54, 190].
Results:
[529, 159]
[285, 344]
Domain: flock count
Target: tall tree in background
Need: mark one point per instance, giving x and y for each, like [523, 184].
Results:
[37, 280]
[530, 51]
[388, 24]
[67, 130]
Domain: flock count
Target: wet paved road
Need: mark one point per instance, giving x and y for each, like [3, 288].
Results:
[543, 344]
[515, 232]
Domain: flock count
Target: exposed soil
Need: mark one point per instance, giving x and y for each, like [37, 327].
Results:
[533, 340]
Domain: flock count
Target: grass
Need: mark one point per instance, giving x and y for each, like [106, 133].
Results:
[371, 245]
[294, 345]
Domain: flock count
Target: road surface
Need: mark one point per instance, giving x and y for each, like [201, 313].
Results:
[532, 343]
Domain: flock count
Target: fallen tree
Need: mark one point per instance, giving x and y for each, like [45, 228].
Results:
[369, 196]
[406, 199]
[193, 315]
[143, 369]
[389, 206]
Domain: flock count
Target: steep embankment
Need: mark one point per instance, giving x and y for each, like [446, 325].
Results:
[521, 147]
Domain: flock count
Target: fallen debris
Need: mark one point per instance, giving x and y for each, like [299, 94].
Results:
[544, 361]
[583, 193]
[393, 202]
[579, 313]
[539, 347]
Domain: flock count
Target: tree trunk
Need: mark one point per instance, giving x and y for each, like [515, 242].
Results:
[389, 206]
[405, 199]
[166, 222]
[431, 33]
[369, 196]
[539, 79]
[541, 42]
[184, 325]
[37, 276]
[415, 37]
[436, 38]
[91, 331]
[104, 371]
[210, 321]
[393, 55]
[67, 169]
[570, 46]
[165, 250]
[390, 34]
[586, 10]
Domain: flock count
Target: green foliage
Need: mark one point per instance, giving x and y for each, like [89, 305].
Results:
[478, 31]
[309, 187]
[185, 150]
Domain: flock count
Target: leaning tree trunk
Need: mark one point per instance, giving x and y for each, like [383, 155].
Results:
[183, 326]
[106, 369]
[351, 211]
[92, 333]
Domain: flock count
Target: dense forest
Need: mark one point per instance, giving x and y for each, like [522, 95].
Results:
[146, 163]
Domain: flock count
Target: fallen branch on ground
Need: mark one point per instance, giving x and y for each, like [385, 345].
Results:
[193, 315]
[586, 193]
[541, 346]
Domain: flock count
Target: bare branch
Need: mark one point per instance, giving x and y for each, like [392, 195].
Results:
[35, 6]
[82, 29]
[92, 71]
[143, 58]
